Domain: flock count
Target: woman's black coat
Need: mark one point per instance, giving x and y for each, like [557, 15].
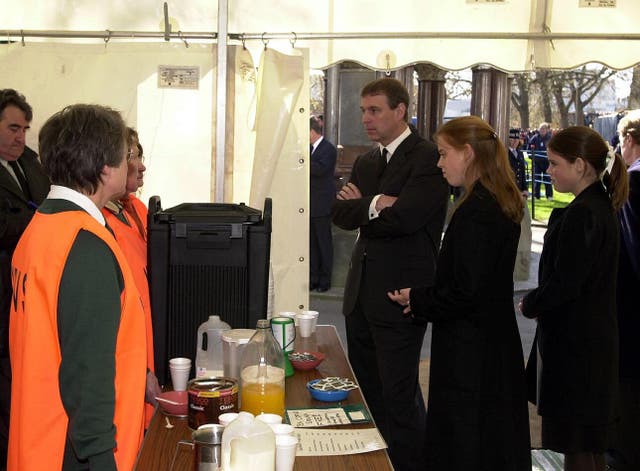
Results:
[477, 415]
[577, 334]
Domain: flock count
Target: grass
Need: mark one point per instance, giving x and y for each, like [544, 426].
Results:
[544, 206]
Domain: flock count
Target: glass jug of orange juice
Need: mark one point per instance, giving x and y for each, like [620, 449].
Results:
[262, 373]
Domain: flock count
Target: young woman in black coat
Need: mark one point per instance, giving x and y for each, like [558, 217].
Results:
[477, 414]
[576, 352]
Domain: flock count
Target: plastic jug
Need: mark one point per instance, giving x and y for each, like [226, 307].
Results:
[248, 444]
[209, 359]
[233, 343]
[262, 373]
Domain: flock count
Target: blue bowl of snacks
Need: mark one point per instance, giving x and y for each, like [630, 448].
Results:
[331, 389]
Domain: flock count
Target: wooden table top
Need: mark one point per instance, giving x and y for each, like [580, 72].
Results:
[161, 451]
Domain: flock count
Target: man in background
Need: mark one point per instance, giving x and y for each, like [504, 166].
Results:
[397, 199]
[538, 143]
[516, 159]
[322, 194]
[23, 186]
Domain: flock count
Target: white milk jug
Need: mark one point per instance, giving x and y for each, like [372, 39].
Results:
[248, 444]
[209, 359]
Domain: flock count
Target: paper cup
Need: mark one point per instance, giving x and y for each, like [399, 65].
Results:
[269, 418]
[285, 452]
[289, 314]
[180, 369]
[305, 324]
[315, 315]
[226, 418]
[281, 429]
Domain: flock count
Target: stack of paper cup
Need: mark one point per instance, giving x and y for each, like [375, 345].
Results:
[180, 369]
[305, 324]
[282, 429]
[226, 418]
[315, 315]
[289, 314]
[285, 452]
[269, 419]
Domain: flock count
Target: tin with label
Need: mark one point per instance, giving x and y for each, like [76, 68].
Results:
[209, 398]
[284, 330]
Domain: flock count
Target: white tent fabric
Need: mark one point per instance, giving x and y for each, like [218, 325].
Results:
[281, 171]
[465, 20]
[174, 125]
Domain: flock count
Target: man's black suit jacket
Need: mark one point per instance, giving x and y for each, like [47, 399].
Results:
[400, 246]
[322, 184]
[15, 213]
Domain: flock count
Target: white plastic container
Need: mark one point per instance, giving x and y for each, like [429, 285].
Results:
[233, 343]
[248, 444]
[209, 361]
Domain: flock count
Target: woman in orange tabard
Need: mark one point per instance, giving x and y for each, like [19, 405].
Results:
[77, 330]
[127, 218]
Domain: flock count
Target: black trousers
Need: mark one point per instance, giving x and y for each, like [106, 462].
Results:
[320, 252]
[626, 452]
[385, 356]
[5, 408]
[540, 166]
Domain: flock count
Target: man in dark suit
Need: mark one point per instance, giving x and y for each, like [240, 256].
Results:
[538, 143]
[23, 186]
[322, 194]
[627, 448]
[397, 199]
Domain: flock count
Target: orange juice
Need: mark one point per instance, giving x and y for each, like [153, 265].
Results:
[262, 390]
[265, 398]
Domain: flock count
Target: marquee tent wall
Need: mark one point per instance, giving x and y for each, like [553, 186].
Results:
[114, 50]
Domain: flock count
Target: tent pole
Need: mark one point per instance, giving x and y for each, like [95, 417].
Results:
[19, 33]
[221, 100]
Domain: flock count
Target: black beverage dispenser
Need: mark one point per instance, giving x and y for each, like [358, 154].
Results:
[204, 259]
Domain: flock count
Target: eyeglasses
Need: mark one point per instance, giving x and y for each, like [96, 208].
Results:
[131, 156]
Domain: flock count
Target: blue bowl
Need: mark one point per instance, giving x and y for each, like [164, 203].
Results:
[326, 396]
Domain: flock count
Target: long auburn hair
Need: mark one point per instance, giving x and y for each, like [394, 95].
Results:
[490, 164]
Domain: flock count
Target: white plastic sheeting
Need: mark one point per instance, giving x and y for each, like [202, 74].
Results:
[281, 171]
[175, 125]
[461, 18]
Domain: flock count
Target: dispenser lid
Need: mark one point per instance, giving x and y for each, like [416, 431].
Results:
[239, 336]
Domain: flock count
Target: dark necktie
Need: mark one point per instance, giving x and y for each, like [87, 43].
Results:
[21, 179]
[383, 160]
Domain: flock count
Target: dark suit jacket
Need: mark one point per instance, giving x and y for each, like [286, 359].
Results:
[401, 245]
[477, 384]
[577, 334]
[518, 167]
[15, 214]
[322, 184]
[629, 278]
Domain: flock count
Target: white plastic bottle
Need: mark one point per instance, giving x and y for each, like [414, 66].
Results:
[248, 444]
[209, 361]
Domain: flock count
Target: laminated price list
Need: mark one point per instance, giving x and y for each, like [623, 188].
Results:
[326, 442]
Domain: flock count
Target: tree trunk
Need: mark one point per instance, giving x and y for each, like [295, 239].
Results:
[579, 111]
[557, 85]
[546, 94]
[634, 93]
[523, 83]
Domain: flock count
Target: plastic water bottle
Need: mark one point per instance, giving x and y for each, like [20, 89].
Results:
[209, 353]
[262, 374]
